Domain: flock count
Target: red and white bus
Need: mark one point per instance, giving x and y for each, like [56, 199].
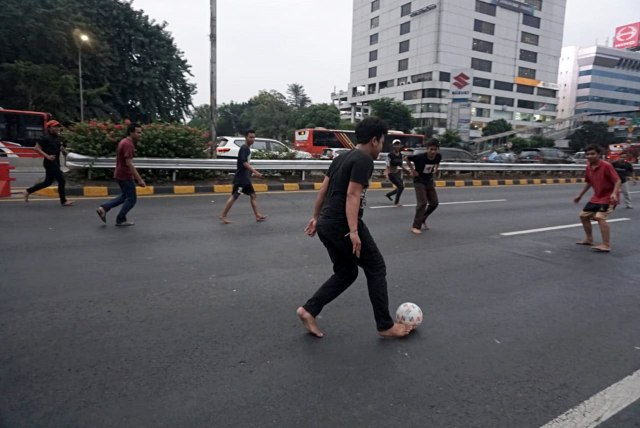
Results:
[20, 131]
[632, 150]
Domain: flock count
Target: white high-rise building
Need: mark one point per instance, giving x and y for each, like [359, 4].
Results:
[499, 57]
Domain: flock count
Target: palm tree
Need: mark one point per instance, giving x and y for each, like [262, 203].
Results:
[297, 98]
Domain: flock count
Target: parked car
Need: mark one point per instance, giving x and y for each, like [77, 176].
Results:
[579, 157]
[449, 154]
[488, 156]
[231, 147]
[332, 153]
[544, 155]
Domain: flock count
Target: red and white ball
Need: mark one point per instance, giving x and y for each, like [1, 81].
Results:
[409, 314]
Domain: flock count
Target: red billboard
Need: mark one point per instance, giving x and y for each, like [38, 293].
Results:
[627, 36]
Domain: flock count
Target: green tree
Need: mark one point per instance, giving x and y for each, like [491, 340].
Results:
[232, 120]
[297, 97]
[591, 133]
[269, 115]
[395, 113]
[450, 138]
[131, 67]
[200, 117]
[324, 115]
[496, 127]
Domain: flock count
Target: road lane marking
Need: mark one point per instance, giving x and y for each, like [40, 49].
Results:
[601, 406]
[566, 226]
[443, 203]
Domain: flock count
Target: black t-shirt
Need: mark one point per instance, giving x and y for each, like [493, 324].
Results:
[394, 161]
[624, 169]
[242, 173]
[355, 166]
[50, 144]
[424, 166]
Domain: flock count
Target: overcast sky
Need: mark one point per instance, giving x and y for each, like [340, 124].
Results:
[269, 44]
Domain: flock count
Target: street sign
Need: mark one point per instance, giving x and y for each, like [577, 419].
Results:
[622, 121]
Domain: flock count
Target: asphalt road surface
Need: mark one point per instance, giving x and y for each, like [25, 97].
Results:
[183, 321]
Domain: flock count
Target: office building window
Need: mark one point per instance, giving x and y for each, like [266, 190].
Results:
[482, 46]
[403, 64]
[524, 89]
[405, 27]
[373, 55]
[480, 112]
[375, 21]
[373, 39]
[412, 95]
[484, 27]
[373, 71]
[526, 104]
[502, 101]
[481, 82]
[537, 4]
[503, 86]
[422, 77]
[480, 64]
[530, 21]
[405, 9]
[528, 73]
[386, 84]
[481, 98]
[528, 56]
[545, 92]
[402, 81]
[444, 76]
[531, 39]
[432, 93]
[375, 5]
[404, 46]
[486, 8]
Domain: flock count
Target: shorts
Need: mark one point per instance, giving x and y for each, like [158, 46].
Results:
[597, 211]
[247, 189]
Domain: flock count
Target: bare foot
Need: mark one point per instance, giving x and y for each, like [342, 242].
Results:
[416, 231]
[224, 219]
[25, 195]
[68, 204]
[425, 227]
[309, 322]
[601, 248]
[398, 330]
[261, 217]
[585, 242]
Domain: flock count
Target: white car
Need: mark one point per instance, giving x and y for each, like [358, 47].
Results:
[231, 147]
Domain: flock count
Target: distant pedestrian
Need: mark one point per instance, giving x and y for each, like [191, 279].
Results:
[50, 147]
[393, 172]
[126, 175]
[242, 180]
[606, 189]
[337, 218]
[624, 168]
[423, 167]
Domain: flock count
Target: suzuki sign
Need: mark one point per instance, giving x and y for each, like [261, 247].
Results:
[461, 84]
[627, 36]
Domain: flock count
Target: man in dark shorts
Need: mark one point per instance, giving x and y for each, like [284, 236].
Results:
[606, 192]
[337, 218]
[393, 172]
[242, 180]
[423, 166]
[50, 147]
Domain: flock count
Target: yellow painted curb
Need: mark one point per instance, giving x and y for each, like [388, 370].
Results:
[261, 187]
[291, 186]
[93, 191]
[222, 188]
[143, 191]
[375, 185]
[459, 183]
[549, 180]
[537, 181]
[317, 186]
[493, 182]
[48, 191]
[477, 182]
[522, 181]
[440, 183]
[181, 190]
[508, 182]
[574, 180]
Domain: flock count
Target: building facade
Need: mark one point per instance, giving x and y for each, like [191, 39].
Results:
[503, 54]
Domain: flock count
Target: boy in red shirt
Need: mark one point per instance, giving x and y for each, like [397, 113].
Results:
[605, 181]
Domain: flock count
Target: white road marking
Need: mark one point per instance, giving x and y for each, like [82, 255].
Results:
[566, 226]
[443, 203]
[601, 406]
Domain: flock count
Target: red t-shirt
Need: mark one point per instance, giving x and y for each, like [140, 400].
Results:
[603, 178]
[124, 151]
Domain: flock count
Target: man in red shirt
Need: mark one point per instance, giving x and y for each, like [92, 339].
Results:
[605, 181]
[126, 175]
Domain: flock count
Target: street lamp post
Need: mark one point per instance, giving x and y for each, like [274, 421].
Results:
[83, 39]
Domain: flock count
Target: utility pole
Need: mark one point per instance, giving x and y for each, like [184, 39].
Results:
[212, 76]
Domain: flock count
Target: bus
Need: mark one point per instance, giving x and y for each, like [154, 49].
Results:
[20, 131]
[315, 140]
[632, 150]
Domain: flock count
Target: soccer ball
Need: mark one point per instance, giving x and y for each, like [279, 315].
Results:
[409, 314]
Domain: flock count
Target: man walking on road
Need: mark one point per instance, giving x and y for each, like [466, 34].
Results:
[337, 218]
[393, 172]
[423, 166]
[606, 189]
[50, 147]
[625, 171]
[242, 181]
[126, 175]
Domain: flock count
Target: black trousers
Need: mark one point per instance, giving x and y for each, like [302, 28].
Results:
[52, 172]
[396, 179]
[345, 270]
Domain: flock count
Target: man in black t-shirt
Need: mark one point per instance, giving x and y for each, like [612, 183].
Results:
[242, 180]
[337, 218]
[50, 147]
[423, 166]
[625, 171]
[393, 172]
